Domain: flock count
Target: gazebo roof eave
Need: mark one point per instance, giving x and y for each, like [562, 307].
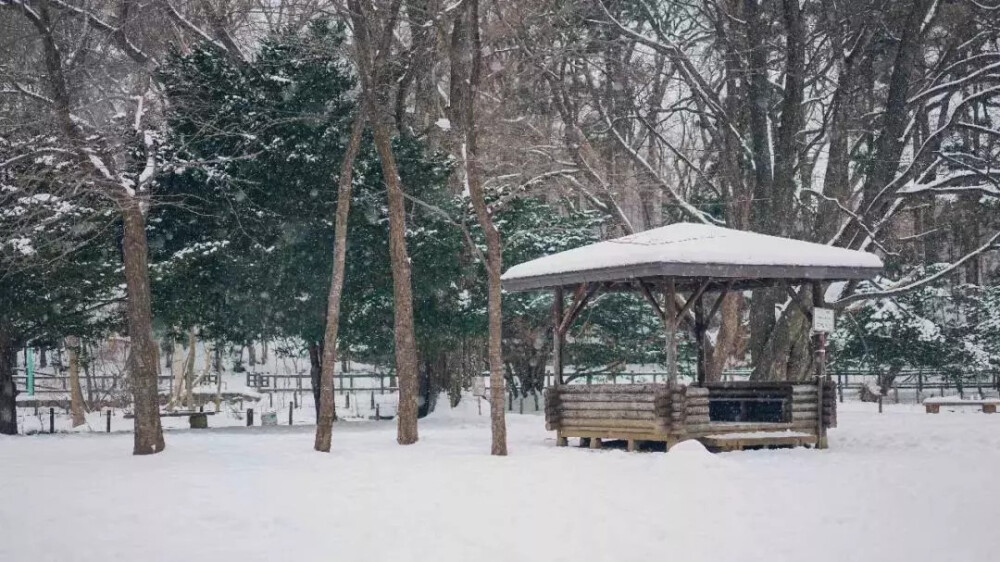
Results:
[736, 276]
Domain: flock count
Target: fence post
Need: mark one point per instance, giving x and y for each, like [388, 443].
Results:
[880, 403]
[249, 417]
[52, 420]
[270, 399]
[840, 387]
[373, 399]
[109, 421]
[347, 400]
[290, 411]
[521, 406]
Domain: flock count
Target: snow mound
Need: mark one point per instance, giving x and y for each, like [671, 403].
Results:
[690, 448]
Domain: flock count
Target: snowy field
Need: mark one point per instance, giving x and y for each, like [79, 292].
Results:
[903, 486]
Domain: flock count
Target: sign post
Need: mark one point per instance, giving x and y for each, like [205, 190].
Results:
[479, 390]
[823, 320]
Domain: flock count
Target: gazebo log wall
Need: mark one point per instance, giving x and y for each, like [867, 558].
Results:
[668, 414]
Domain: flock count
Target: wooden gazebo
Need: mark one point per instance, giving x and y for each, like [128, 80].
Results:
[683, 264]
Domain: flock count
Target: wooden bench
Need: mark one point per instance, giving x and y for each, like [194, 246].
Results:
[738, 442]
[988, 405]
[197, 420]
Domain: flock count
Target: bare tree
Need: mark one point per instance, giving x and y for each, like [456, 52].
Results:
[494, 258]
[373, 46]
[327, 407]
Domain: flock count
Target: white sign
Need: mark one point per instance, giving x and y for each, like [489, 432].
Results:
[823, 320]
[479, 386]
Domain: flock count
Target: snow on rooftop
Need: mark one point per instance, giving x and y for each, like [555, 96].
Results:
[694, 245]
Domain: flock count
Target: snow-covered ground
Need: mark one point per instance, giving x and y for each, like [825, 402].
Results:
[903, 485]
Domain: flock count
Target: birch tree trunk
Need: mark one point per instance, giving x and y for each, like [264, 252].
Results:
[75, 392]
[327, 406]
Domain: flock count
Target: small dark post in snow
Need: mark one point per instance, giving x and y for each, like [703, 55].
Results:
[378, 415]
[880, 403]
[249, 417]
[52, 420]
[201, 408]
[290, 411]
[840, 387]
[521, 405]
[108, 425]
[347, 400]
[373, 399]
[270, 399]
[295, 400]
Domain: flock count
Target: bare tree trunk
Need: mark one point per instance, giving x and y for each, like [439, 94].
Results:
[143, 366]
[315, 369]
[8, 390]
[377, 83]
[176, 361]
[729, 334]
[327, 411]
[189, 377]
[405, 339]
[493, 253]
[148, 436]
[75, 392]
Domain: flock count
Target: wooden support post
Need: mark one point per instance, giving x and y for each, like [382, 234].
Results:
[557, 337]
[561, 440]
[52, 420]
[109, 421]
[821, 375]
[670, 313]
[249, 417]
[595, 442]
[290, 411]
[700, 327]
[631, 445]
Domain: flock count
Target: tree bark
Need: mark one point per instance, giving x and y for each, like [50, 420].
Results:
[176, 361]
[8, 390]
[143, 367]
[148, 435]
[76, 393]
[189, 377]
[315, 369]
[493, 264]
[377, 84]
[406, 344]
[327, 411]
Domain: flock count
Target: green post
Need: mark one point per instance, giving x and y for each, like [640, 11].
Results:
[29, 367]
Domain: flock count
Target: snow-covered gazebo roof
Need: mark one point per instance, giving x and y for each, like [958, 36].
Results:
[697, 251]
